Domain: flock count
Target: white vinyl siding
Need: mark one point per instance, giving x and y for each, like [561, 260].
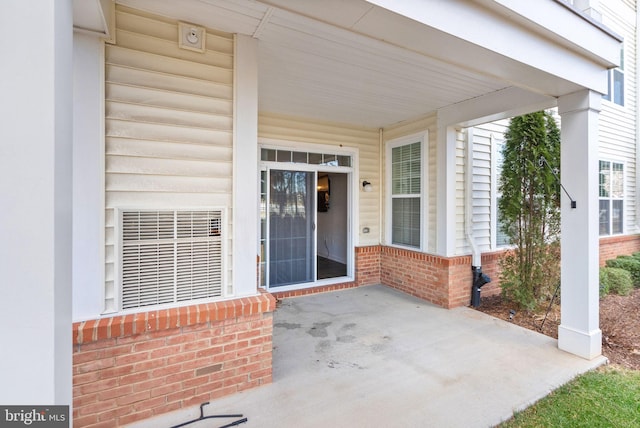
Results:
[168, 126]
[617, 124]
[364, 140]
[485, 142]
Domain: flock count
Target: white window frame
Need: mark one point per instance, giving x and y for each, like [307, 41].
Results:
[423, 139]
[611, 199]
[611, 86]
[225, 292]
[497, 144]
[353, 180]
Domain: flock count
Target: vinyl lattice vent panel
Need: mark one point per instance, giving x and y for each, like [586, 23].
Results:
[170, 256]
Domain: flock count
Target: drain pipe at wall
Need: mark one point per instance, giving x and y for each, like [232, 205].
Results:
[637, 76]
[381, 207]
[479, 279]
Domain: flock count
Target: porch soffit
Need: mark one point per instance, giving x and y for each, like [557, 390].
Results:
[356, 63]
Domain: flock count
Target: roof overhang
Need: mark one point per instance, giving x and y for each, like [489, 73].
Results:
[378, 62]
[94, 17]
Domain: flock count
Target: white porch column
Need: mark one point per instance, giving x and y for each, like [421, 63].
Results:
[446, 188]
[35, 190]
[88, 176]
[245, 167]
[579, 332]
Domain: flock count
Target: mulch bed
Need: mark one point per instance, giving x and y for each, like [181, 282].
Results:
[619, 322]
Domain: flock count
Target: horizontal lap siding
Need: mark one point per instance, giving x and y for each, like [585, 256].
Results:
[617, 124]
[365, 140]
[461, 167]
[169, 123]
[481, 188]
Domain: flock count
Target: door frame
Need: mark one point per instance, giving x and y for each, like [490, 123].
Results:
[352, 206]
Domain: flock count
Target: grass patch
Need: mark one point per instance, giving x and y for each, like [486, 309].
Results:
[607, 397]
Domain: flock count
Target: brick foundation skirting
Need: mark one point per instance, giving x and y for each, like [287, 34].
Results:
[614, 246]
[132, 367]
[444, 281]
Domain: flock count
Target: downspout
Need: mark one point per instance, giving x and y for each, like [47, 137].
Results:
[476, 259]
[381, 208]
[637, 121]
[479, 279]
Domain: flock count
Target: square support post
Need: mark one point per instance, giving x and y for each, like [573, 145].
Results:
[446, 190]
[36, 187]
[579, 332]
[245, 167]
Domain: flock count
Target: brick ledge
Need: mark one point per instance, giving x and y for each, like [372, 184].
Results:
[165, 319]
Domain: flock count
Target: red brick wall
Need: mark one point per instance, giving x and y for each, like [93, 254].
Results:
[614, 246]
[368, 265]
[491, 267]
[132, 367]
[444, 281]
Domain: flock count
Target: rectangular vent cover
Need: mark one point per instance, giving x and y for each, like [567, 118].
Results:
[170, 256]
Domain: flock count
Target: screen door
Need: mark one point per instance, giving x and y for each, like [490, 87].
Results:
[291, 227]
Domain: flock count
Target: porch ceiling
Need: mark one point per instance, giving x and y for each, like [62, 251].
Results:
[357, 63]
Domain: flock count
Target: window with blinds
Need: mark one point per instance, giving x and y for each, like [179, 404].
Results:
[170, 256]
[611, 197]
[406, 189]
[502, 238]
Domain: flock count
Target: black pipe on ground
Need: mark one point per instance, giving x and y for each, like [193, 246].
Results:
[479, 279]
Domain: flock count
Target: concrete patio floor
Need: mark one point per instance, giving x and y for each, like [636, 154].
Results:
[375, 357]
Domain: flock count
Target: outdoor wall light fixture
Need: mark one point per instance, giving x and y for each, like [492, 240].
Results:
[367, 187]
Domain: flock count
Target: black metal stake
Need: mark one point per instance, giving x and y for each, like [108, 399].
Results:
[549, 308]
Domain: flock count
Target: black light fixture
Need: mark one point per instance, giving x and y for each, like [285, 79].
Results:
[367, 187]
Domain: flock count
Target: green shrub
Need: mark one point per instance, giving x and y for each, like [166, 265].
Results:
[628, 263]
[618, 280]
[604, 281]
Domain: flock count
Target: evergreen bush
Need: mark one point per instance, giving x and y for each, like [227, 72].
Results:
[619, 280]
[604, 282]
[628, 263]
[529, 209]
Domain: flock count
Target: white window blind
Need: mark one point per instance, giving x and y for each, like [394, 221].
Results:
[170, 256]
[611, 197]
[406, 174]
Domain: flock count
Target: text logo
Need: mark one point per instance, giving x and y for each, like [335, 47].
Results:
[34, 416]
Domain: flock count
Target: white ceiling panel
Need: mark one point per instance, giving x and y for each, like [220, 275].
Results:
[353, 62]
[330, 73]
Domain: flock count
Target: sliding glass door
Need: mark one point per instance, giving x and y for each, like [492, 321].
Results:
[291, 233]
